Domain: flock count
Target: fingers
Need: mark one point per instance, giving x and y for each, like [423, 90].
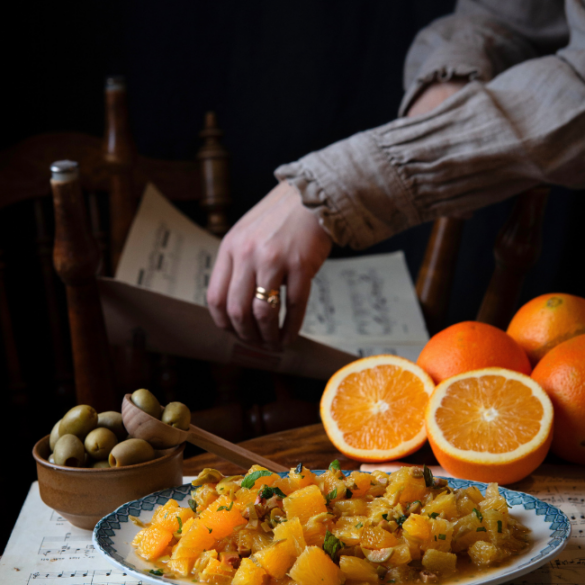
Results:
[239, 302]
[217, 291]
[297, 296]
[265, 315]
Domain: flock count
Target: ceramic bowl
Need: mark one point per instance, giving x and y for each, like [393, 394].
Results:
[85, 495]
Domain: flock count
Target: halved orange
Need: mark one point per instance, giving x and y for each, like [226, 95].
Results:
[491, 425]
[373, 408]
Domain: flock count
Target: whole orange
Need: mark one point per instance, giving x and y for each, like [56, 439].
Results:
[546, 321]
[471, 345]
[561, 373]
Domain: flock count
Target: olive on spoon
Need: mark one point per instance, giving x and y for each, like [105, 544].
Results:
[142, 425]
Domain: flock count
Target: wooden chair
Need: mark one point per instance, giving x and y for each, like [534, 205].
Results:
[517, 248]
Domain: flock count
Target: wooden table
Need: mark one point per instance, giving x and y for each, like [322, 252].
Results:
[307, 445]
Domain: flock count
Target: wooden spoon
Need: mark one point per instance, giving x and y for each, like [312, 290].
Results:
[142, 425]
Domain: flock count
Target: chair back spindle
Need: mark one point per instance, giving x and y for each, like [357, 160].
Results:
[518, 247]
[214, 161]
[435, 277]
[76, 259]
[120, 155]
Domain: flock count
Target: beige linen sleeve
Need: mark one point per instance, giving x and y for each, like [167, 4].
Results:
[485, 143]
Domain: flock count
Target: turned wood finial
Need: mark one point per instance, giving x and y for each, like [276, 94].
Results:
[435, 277]
[213, 158]
[518, 246]
[119, 153]
[76, 258]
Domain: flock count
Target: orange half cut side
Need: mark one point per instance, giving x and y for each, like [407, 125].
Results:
[373, 408]
[490, 425]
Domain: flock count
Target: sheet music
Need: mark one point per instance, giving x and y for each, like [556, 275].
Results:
[44, 549]
[361, 306]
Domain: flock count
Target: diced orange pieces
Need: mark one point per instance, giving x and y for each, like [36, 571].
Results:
[217, 573]
[194, 541]
[154, 541]
[291, 533]
[304, 503]
[362, 481]
[221, 517]
[249, 573]
[358, 570]
[276, 559]
[374, 537]
[417, 526]
[315, 567]
[181, 567]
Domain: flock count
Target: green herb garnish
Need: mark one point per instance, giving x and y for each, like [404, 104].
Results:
[267, 492]
[226, 507]
[359, 525]
[500, 526]
[332, 545]
[331, 495]
[299, 468]
[157, 572]
[210, 529]
[250, 480]
[428, 475]
[400, 520]
[433, 515]
[348, 493]
[478, 514]
[481, 529]
[385, 516]
[442, 537]
[180, 531]
[192, 504]
[335, 465]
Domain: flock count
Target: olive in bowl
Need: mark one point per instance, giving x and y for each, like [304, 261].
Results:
[84, 495]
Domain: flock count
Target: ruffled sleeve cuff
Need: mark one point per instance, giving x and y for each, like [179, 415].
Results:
[354, 190]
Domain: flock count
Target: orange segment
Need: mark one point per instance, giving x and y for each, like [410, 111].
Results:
[372, 408]
[492, 425]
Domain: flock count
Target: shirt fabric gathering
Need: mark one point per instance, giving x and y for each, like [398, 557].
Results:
[518, 123]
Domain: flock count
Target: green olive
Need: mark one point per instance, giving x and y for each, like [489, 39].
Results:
[99, 443]
[177, 415]
[55, 434]
[130, 452]
[112, 420]
[147, 401]
[79, 421]
[100, 465]
[69, 451]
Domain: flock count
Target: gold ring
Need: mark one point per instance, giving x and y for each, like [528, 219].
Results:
[272, 297]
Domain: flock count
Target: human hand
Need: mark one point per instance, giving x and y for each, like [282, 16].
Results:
[279, 241]
[434, 95]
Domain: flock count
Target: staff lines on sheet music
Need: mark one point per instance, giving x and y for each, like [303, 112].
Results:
[94, 575]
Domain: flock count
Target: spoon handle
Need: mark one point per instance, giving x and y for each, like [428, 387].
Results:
[230, 451]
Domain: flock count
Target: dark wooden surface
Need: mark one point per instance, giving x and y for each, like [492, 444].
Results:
[308, 445]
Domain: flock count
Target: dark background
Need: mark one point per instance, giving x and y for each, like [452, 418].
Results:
[285, 78]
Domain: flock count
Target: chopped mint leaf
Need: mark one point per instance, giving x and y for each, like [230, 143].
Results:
[348, 493]
[428, 475]
[331, 495]
[226, 507]
[335, 465]
[192, 504]
[442, 537]
[359, 525]
[180, 531]
[385, 516]
[267, 492]
[332, 545]
[250, 480]
[400, 520]
[433, 515]
[478, 514]
[210, 529]
[500, 526]
[157, 572]
[481, 529]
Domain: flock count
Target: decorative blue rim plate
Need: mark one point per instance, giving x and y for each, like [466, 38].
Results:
[113, 534]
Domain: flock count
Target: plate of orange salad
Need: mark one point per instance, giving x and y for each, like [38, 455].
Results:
[329, 527]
